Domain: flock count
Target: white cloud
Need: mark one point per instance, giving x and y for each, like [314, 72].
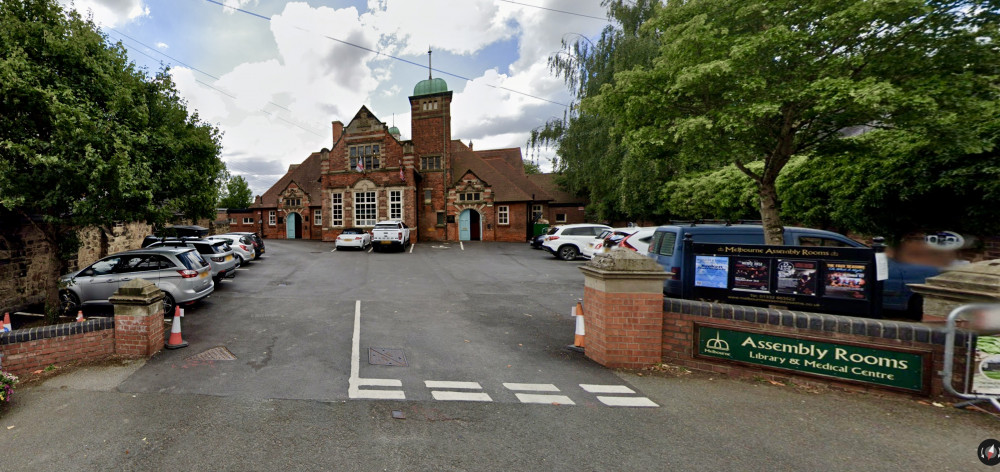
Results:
[228, 6]
[110, 12]
[462, 27]
[162, 45]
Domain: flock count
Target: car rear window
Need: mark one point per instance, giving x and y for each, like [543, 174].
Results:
[666, 243]
[191, 260]
[353, 231]
[220, 247]
[386, 227]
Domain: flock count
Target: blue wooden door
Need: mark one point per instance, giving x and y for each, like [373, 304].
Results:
[463, 226]
[290, 224]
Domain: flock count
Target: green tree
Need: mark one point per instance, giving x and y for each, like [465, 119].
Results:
[764, 80]
[236, 194]
[88, 139]
[531, 168]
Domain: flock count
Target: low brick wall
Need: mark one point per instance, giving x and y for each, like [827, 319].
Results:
[680, 316]
[27, 350]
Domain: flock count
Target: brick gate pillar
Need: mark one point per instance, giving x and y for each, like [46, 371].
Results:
[623, 309]
[138, 319]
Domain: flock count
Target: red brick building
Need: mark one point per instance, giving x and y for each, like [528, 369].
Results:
[438, 186]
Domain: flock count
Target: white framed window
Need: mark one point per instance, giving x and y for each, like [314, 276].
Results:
[317, 217]
[232, 221]
[272, 218]
[468, 197]
[503, 215]
[396, 205]
[560, 217]
[536, 212]
[247, 221]
[365, 209]
[337, 209]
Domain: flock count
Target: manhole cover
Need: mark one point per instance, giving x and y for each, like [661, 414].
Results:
[383, 356]
[215, 354]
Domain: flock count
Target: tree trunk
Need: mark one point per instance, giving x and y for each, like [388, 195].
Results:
[770, 212]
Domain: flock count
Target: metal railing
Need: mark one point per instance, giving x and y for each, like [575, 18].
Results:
[988, 319]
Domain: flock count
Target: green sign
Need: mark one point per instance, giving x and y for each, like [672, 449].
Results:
[884, 367]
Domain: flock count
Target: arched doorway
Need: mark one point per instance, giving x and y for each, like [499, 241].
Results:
[470, 226]
[293, 226]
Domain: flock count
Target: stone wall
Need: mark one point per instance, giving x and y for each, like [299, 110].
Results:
[28, 264]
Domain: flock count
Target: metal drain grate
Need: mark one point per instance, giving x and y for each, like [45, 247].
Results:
[383, 356]
[219, 353]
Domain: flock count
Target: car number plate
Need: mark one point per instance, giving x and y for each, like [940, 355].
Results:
[203, 275]
[386, 242]
[229, 258]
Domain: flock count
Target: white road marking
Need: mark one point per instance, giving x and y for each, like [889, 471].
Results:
[462, 245]
[531, 387]
[461, 396]
[448, 384]
[380, 394]
[606, 388]
[544, 399]
[628, 401]
[240, 268]
[355, 381]
[379, 382]
[371, 249]
[334, 249]
[411, 248]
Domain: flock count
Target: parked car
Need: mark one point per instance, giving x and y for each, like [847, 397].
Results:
[196, 232]
[607, 239]
[565, 241]
[242, 246]
[536, 242]
[639, 240]
[353, 237]
[218, 254]
[182, 274]
[388, 234]
[667, 248]
[258, 242]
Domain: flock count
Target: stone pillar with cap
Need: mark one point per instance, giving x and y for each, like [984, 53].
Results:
[623, 309]
[957, 286]
[138, 319]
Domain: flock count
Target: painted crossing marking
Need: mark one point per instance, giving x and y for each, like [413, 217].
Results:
[531, 387]
[449, 384]
[461, 396]
[356, 381]
[411, 248]
[628, 401]
[544, 399]
[591, 388]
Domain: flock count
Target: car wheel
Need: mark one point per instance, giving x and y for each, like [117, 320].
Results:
[168, 305]
[69, 302]
[568, 252]
[239, 260]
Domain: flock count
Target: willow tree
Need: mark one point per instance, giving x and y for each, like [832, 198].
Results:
[765, 80]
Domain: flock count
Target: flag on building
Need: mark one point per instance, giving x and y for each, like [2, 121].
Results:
[361, 165]
[402, 175]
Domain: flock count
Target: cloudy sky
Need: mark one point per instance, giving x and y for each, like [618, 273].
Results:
[274, 76]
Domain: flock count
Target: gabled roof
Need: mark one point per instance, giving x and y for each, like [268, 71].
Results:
[306, 177]
[502, 169]
[547, 182]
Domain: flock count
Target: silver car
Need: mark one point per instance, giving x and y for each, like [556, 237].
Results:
[242, 246]
[217, 253]
[182, 275]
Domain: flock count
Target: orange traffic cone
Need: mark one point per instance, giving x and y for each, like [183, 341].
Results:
[176, 341]
[79, 316]
[578, 339]
[6, 323]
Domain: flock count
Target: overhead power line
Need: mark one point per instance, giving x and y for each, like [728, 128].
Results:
[557, 11]
[400, 59]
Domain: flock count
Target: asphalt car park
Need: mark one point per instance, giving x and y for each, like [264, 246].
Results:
[445, 321]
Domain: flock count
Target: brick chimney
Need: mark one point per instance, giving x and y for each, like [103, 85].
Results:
[338, 131]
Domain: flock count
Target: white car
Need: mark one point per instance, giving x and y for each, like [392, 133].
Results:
[639, 240]
[353, 237]
[604, 241]
[565, 242]
[241, 245]
[390, 234]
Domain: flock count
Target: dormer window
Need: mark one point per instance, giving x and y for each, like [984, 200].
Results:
[367, 153]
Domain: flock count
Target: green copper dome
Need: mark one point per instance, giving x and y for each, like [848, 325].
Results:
[394, 131]
[430, 86]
